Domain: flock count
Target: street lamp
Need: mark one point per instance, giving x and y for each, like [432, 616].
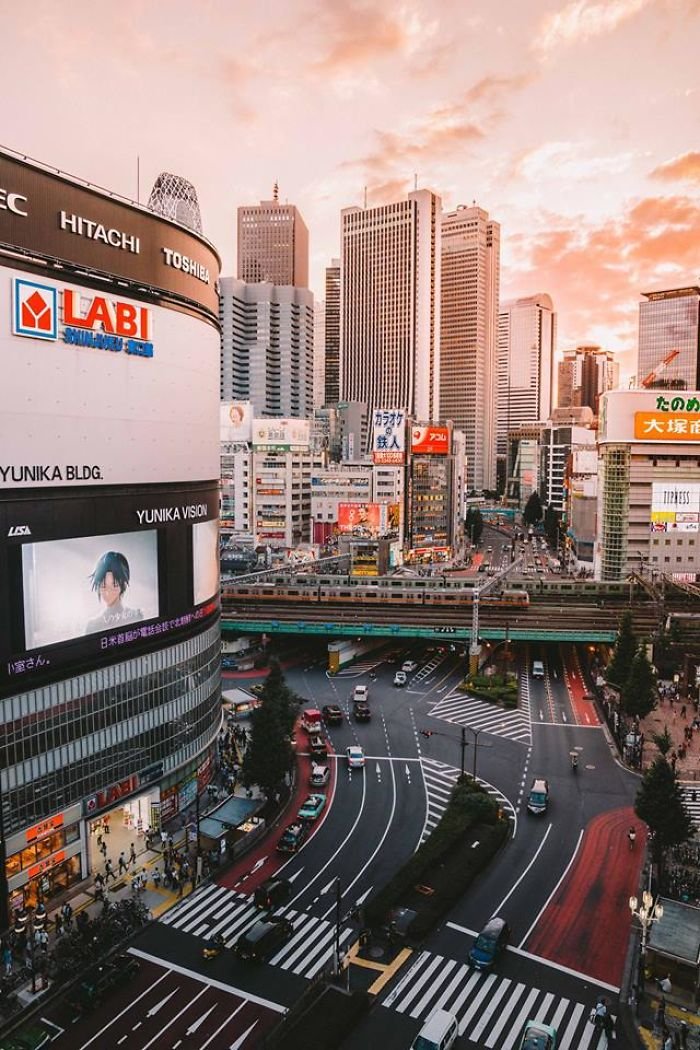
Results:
[648, 912]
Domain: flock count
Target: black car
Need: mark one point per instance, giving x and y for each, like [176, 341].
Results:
[292, 838]
[264, 938]
[273, 892]
[361, 711]
[332, 715]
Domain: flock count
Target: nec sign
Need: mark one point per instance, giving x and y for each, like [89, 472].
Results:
[92, 321]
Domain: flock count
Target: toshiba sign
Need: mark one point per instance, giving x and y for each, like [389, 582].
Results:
[433, 441]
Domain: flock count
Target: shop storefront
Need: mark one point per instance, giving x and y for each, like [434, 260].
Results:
[45, 860]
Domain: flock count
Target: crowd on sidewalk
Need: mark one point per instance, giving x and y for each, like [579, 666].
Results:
[681, 718]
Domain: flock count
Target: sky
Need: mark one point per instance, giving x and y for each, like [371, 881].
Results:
[574, 123]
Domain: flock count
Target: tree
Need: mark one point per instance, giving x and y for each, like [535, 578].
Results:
[663, 741]
[533, 512]
[659, 804]
[474, 524]
[619, 667]
[269, 755]
[551, 526]
[637, 696]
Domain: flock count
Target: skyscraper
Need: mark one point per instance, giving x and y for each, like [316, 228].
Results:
[471, 266]
[273, 244]
[332, 378]
[526, 344]
[670, 321]
[319, 354]
[584, 375]
[390, 306]
[175, 198]
[267, 347]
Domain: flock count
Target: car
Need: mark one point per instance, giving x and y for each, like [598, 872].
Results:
[317, 745]
[292, 838]
[538, 1036]
[264, 938]
[400, 678]
[312, 807]
[409, 666]
[271, 893]
[361, 711]
[320, 775]
[355, 756]
[538, 799]
[229, 663]
[332, 714]
[257, 688]
[490, 943]
[30, 1037]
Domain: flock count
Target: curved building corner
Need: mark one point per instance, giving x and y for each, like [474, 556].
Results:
[109, 464]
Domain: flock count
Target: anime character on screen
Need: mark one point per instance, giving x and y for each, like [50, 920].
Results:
[110, 581]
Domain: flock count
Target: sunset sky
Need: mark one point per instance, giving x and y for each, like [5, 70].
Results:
[575, 123]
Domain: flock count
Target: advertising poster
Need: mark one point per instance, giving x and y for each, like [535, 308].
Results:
[205, 558]
[88, 585]
[675, 506]
[281, 435]
[388, 436]
[432, 441]
[368, 519]
[236, 421]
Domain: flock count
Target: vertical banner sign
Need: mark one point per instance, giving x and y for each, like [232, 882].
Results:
[389, 436]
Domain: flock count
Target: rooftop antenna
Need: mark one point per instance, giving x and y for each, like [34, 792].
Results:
[415, 180]
[276, 192]
[365, 197]
[138, 179]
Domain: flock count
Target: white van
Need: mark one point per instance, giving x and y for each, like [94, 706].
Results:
[438, 1033]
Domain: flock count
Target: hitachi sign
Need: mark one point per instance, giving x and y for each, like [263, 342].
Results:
[112, 317]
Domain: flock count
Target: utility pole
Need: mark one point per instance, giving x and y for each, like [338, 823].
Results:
[338, 917]
[464, 747]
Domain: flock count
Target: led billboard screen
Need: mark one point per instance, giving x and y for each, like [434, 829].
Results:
[205, 559]
[368, 519]
[88, 585]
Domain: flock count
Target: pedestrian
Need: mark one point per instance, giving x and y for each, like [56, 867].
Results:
[144, 880]
[105, 823]
[122, 863]
[58, 924]
[103, 848]
[683, 711]
[99, 887]
[7, 959]
[667, 1040]
[109, 870]
[665, 986]
[135, 883]
[156, 878]
[163, 838]
[67, 913]
[132, 854]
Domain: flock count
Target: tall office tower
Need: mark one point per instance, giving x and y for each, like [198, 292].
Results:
[175, 198]
[526, 344]
[471, 264]
[319, 354]
[390, 305]
[670, 321]
[267, 347]
[332, 392]
[585, 374]
[273, 244]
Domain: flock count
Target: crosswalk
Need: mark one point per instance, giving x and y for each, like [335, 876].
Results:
[491, 1010]
[216, 910]
[691, 800]
[439, 781]
[466, 710]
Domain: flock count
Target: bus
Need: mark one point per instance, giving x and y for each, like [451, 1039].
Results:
[537, 669]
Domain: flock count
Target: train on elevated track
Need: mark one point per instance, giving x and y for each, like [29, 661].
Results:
[435, 590]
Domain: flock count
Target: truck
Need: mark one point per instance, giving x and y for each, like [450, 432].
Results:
[312, 721]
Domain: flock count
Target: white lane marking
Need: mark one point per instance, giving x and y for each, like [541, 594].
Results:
[407, 999]
[202, 979]
[505, 1014]
[572, 1026]
[541, 960]
[515, 885]
[559, 882]
[222, 1026]
[130, 1006]
[379, 845]
[159, 1006]
[425, 999]
[342, 845]
[172, 1020]
[327, 886]
[490, 1009]
[241, 1040]
[364, 896]
[196, 1025]
[406, 979]
[520, 1020]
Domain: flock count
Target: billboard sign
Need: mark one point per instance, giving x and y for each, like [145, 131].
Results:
[95, 412]
[389, 436]
[368, 519]
[236, 421]
[675, 506]
[650, 415]
[281, 435]
[433, 441]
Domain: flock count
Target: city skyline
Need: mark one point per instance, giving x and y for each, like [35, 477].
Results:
[572, 123]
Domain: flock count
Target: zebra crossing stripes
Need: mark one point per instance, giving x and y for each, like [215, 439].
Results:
[469, 711]
[692, 804]
[440, 780]
[216, 910]
[491, 1010]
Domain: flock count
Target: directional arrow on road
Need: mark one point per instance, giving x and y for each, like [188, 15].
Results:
[379, 772]
[241, 1039]
[200, 1021]
[327, 887]
[408, 774]
[296, 875]
[258, 864]
[364, 896]
[159, 1006]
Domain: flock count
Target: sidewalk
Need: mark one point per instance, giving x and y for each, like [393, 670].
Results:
[677, 716]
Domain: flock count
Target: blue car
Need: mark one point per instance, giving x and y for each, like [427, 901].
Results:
[490, 943]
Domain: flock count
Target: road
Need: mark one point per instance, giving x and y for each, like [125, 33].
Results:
[548, 881]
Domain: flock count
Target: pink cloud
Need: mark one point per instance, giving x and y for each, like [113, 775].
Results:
[684, 168]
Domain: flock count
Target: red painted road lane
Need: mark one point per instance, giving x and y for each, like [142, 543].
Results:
[586, 925]
[164, 1008]
[249, 873]
[584, 711]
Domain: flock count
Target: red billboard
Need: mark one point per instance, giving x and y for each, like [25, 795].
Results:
[430, 441]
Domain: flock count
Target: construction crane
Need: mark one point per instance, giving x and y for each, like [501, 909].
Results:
[650, 379]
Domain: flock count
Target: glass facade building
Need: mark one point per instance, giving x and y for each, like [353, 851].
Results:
[670, 321]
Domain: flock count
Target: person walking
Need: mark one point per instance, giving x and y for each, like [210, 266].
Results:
[156, 878]
[132, 854]
[67, 913]
[58, 925]
[103, 849]
[122, 863]
[109, 870]
[99, 887]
